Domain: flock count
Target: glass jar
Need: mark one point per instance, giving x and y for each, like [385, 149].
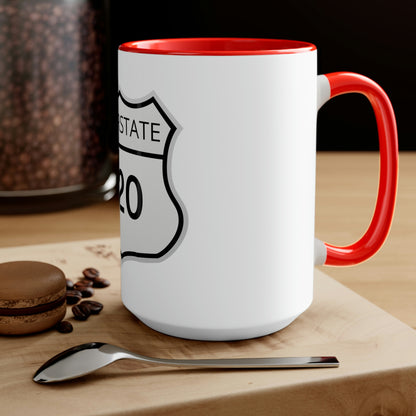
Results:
[54, 151]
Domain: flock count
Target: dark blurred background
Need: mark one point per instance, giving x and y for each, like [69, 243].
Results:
[374, 38]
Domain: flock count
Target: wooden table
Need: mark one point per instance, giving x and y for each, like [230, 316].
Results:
[378, 370]
[346, 194]
[345, 197]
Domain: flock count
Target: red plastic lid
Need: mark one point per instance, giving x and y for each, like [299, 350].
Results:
[218, 46]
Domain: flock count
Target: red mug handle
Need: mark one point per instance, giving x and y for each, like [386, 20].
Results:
[337, 83]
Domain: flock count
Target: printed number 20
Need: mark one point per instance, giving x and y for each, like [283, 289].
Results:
[125, 188]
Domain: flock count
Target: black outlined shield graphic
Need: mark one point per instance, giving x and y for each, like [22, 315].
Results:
[151, 215]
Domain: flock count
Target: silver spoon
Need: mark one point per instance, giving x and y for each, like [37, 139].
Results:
[86, 358]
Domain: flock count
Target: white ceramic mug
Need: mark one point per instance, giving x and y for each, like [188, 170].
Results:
[217, 182]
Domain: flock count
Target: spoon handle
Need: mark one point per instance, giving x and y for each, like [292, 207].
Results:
[270, 362]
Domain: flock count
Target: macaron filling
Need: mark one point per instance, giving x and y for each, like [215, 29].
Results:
[33, 309]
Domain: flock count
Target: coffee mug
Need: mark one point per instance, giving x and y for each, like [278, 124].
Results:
[217, 140]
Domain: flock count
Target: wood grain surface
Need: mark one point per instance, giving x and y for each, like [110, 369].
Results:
[377, 375]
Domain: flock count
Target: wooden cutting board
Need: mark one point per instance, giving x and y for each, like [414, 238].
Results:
[377, 353]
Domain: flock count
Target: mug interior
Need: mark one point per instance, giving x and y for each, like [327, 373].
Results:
[217, 46]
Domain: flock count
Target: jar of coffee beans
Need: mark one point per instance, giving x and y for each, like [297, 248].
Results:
[54, 151]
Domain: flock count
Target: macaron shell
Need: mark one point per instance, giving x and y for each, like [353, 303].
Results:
[28, 324]
[29, 283]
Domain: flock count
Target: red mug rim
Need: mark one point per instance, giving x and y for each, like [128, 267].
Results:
[217, 46]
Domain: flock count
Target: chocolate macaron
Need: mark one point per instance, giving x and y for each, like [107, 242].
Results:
[32, 297]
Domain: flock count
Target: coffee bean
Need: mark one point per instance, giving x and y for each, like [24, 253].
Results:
[94, 307]
[83, 283]
[91, 273]
[69, 284]
[86, 292]
[100, 282]
[81, 312]
[73, 297]
[65, 327]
